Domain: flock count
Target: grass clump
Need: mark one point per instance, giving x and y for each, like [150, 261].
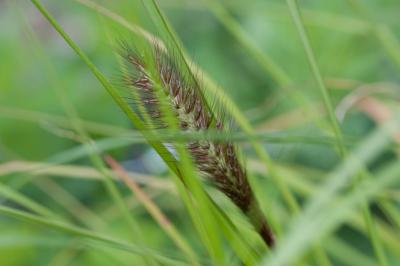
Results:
[312, 92]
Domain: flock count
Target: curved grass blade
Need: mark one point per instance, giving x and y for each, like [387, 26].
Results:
[322, 202]
[26, 202]
[153, 209]
[90, 235]
[296, 16]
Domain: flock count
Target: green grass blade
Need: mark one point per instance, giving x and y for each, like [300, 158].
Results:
[94, 156]
[295, 13]
[322, 202]
[296, 16]
[26, 202]
[89, 235]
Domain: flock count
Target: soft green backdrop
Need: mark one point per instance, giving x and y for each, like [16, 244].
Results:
[357, 49]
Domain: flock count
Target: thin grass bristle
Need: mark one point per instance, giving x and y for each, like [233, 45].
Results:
[217, 161]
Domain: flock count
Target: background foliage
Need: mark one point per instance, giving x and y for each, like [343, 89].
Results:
[50, 103]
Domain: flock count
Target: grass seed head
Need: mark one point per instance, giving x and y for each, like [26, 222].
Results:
[217, 161]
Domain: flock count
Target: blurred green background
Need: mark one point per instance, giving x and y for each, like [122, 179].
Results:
[357, 51]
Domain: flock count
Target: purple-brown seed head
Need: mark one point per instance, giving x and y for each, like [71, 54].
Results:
[217, 161]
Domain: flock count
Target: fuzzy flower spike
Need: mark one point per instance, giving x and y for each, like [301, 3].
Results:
[217, 161]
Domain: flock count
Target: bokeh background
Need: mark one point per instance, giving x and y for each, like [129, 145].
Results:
[356, 47]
